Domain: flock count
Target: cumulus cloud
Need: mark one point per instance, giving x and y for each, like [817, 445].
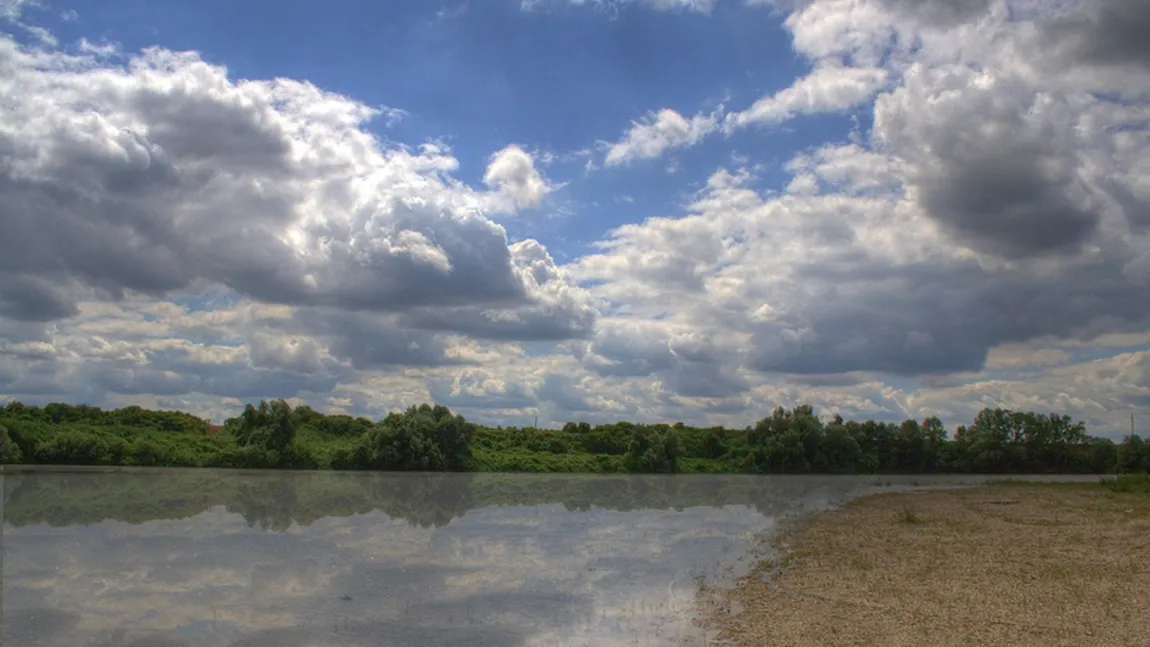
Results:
[830, 87]
[1107, 32]
[656, 133]
[939, 13]
[998, 162]
[164, 173]
[833, 85]
[990, 203]
[979, 238]
[517, 183]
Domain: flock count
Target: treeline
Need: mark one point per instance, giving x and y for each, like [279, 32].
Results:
[432, 438]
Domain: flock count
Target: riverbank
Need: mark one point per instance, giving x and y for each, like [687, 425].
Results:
[1001, 565]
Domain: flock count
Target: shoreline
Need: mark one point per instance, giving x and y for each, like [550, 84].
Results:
[999, 564]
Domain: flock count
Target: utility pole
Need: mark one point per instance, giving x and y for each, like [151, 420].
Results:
[537, 421]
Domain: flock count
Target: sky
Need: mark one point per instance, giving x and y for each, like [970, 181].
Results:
[645, 210]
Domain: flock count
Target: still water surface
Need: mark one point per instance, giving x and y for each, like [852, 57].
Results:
[164, 558]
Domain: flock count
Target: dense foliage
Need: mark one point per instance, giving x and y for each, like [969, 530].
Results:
[432, 438]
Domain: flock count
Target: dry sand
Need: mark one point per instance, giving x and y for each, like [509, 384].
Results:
[1002, 565]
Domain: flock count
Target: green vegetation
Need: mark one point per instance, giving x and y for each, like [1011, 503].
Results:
[1131, 483]
[432, 438]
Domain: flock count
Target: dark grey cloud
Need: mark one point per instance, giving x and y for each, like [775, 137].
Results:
[994, 175]
[939, 13]
[691, 365]
[563, 392]
[1104, 32]
[166, 371]
[192, 125]
[898, 328]
[482, 270]
[937, 319]
[1136, 209]
[15, 331]
[9, 371]
[267, 383]
[826, 379]
[526, 324]
[92, 220]
[369, 340]
[999, 198]
[560, 312]
[630, 351]
[138, 380]
[32, 298]
[48, 378]
[704, 380]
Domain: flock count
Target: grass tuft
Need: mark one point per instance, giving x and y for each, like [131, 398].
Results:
[909, 515]
[1129, 483]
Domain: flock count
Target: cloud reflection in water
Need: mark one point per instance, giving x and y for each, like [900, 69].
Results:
[202, 557]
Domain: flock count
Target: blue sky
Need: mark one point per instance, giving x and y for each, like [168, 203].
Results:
[644, 209]
[556, 79]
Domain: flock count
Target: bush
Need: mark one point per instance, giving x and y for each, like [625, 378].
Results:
[147, 453]
[72, 448]
[1132, 483]
[9, 451]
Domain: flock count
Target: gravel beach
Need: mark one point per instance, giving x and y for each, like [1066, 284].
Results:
[1002, 565]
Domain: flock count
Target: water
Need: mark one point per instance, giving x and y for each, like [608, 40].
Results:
[158, 558]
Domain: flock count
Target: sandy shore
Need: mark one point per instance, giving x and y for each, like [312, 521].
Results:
[1003, 565]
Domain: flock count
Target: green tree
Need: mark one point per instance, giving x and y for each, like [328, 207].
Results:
[1133, 455]
[840, 448]
[421, 438]
[9, 451]
[933, 443]
[652, 450]
[912, 447]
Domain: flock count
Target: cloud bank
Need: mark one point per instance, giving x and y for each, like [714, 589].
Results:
[176, 236]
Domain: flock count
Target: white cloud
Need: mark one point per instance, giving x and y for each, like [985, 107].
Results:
[831, 28]
[988, 214]
[12, 9]
[831, 87]
[882, 250]
[511, 173]
[164, 173]
[657, 133]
